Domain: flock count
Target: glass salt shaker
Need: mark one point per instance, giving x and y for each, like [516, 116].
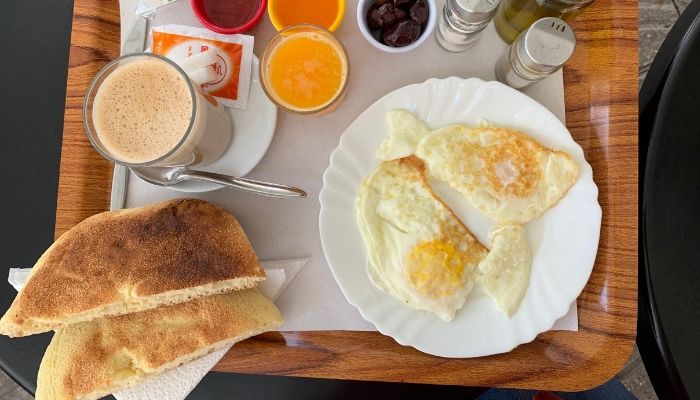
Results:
[538, 52]
[462, 21]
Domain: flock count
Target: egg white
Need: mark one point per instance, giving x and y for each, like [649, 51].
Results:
[404, 133]
[398, 216]
[505, 271]
[503, 173]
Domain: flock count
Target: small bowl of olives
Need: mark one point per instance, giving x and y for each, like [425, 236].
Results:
[396, 26]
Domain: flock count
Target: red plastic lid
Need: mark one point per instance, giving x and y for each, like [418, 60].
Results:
[198, 9]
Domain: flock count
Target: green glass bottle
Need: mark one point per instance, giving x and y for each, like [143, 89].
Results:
[514, 16]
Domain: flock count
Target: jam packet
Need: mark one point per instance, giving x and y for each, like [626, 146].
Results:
[229, 77]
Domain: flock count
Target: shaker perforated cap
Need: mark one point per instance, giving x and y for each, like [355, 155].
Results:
[473, 11]
[546, 45]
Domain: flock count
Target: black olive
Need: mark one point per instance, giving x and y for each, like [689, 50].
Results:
[419, 11]
[403, 3]
[373, 19]
[384, 16]
[401, 34]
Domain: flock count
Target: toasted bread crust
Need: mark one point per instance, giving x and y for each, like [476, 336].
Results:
[91, 359]
[119, 258]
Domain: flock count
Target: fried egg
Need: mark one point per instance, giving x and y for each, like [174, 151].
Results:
[505, 271]
[405, 131]
[503, 173]
[418, 250]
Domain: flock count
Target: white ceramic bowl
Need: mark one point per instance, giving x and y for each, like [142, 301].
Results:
[362, 8]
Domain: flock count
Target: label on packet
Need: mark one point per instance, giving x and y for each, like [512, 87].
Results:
[232, 69]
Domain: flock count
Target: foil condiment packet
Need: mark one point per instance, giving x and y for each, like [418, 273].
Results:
[232, 69]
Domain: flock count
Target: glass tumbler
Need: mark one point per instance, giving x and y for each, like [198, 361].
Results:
[301, 66]
[208, 130]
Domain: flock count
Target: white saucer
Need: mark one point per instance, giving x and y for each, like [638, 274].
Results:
[253, 129]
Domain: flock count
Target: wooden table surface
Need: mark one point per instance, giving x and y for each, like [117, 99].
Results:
[601, 113]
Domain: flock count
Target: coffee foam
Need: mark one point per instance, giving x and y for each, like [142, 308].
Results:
[142, 110]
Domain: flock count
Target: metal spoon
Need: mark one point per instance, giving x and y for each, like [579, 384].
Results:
[167, 176]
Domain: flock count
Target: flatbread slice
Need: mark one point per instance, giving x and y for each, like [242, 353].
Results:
[125, 261]
[92, 359]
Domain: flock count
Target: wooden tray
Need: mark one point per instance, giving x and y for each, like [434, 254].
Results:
[601, 113]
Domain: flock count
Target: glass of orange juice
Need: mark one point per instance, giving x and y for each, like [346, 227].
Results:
[326, 13]
[304, 70]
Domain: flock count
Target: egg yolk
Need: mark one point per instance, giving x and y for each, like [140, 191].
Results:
[435, 268]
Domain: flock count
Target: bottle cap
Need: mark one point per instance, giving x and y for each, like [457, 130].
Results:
[546, 45]
[473, 12]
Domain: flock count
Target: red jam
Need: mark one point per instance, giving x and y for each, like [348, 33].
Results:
[230, 13]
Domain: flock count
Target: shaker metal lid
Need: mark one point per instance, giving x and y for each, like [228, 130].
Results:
[473, 11]
[546, 45]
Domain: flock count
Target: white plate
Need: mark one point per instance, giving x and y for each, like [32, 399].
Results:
[564, 240]
[253, 130]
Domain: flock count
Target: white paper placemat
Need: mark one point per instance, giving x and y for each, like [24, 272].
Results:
[300, 152]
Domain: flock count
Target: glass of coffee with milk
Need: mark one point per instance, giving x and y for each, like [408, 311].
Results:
[143, 110]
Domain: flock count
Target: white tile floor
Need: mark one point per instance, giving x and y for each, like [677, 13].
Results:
[635, 378]
[656, 17]
[9, 390]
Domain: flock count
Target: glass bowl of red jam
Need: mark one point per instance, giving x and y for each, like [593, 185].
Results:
[229, 16]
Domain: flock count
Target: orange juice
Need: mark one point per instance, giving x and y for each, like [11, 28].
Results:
[304, 69]
[292, 12]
